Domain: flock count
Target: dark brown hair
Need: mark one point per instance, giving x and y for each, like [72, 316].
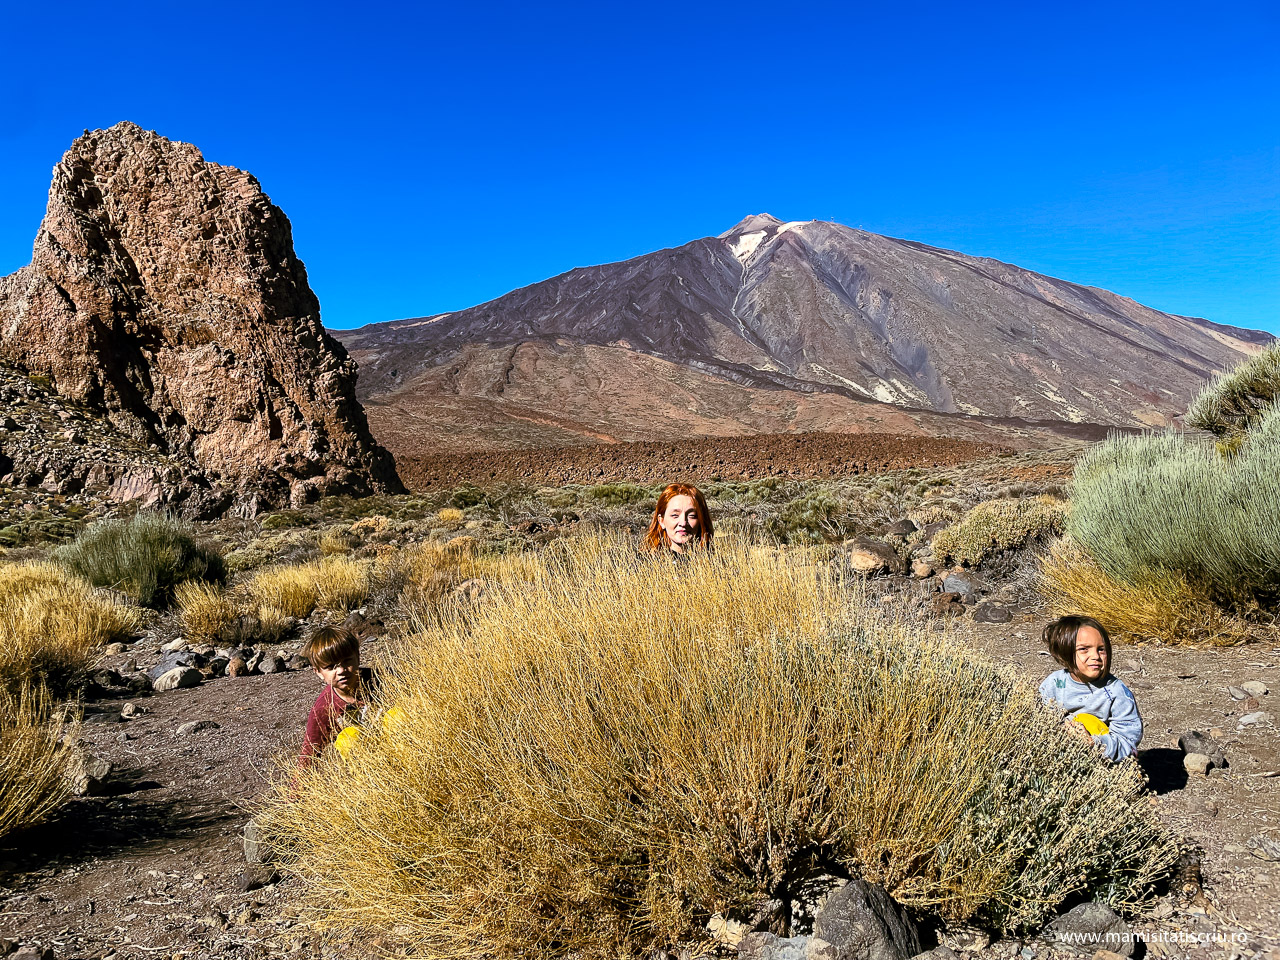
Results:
[1060, 637]
[330, 645]
[657, 538]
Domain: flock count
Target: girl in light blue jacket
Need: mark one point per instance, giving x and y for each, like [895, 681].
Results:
[1095, 705]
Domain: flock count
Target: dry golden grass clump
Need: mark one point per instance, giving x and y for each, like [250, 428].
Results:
[33, 759]
[53, 624]
[332, 583]
[1161, 608]
[209, 613]
[609, 749]
[451, 518]
[997, 525]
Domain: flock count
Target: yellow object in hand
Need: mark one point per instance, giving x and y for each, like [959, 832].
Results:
[346, 740]
[1091, 723]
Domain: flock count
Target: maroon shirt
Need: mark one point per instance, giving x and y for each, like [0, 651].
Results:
[328, 716]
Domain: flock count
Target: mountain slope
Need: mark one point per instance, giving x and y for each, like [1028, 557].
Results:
[776, 327]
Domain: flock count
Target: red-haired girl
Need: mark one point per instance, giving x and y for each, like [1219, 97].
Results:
[680, 521]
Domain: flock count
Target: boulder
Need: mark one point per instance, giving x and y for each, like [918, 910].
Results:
[963, 584]
[87, 774]
[862, 922]
[769, 946]
[164, 294]
[1193, 741]
[178, 678]
[1090, 927]
[901, 529]
[947, 605]
[871, 557]
[921, 569]
[992, 613]
[1196, 764]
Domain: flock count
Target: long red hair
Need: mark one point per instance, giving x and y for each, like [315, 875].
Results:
[657, 539]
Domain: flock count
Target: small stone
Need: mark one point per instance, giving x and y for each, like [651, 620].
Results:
[921, 569]
[1254, 688]
[113, 649]
[179, 678]
[237, 667]
[947, 605]
[196, 726]
[1106, 955]
[871, 557]
[1091, 924]
[964, 585]
[1237, 693]
[173, 646]
[1163, 910]
[1265, 848]
[218, 666]
[1193, 741]
[32, 953]
[1250, 719]
[257, 849]
[271, 665]
[131, 710]
[991, 613]
[1197, 764]
[88, 774]
[255, 876]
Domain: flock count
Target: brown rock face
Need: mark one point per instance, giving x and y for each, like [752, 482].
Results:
[164, 291]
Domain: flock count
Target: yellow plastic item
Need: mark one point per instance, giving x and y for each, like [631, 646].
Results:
[346, 740]
[1091, 723]
[393, 719]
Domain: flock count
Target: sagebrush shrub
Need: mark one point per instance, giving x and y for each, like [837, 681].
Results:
[53, 625]
[579, 766]
[144, 557]
[1164, 502]
[34, 760]
[1232, 405]
[997, 525]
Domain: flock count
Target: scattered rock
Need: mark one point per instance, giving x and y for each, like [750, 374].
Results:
[237, 667]
[217, 666]
[862, 922]
[1265, 848]
[173, 660]
[1106, 955]
[178, 678]
[87, 774]
[1084, 928]
[1250, 719]
[255, 876]
[131, 710]
[871, 557]
[1193, 741]
[112, 649]
[991, 613]
[1237, 693]
[32, 953]
[271, 665]
[1197, 764]
[1254, 688]
[947, 605]
[938, 953]
[901, 529]
[173, 646]
[769, 946]
[196, 726]
[921, 569]
[967, 587]
[257, 849]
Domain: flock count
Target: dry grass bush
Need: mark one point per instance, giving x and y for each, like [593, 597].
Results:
[1162, 608]
[209, 613]
[998, 525]
[53, 625]
[338, 540]
[332, 583]
[1163, 502]
[33, 759]
[451, 518]
[608, 749]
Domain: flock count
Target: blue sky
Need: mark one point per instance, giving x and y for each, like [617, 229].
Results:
[431, 157]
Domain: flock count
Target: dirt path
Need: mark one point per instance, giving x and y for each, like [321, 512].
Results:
[152, 868]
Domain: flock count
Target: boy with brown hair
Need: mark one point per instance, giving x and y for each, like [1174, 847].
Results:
[334, 655]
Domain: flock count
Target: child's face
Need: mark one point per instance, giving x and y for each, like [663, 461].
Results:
[343, 676]
[1091, 655]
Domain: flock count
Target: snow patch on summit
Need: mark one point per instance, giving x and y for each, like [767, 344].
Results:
[746, 244]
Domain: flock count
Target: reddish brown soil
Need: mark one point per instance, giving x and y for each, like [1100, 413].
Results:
[801, 456]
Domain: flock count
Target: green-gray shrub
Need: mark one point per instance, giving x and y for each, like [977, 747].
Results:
[144, 557]
[617, 494]
[1166, 502]
[998, 525]
[1233, 404]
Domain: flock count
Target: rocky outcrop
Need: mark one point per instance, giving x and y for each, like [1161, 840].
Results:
[164, 291]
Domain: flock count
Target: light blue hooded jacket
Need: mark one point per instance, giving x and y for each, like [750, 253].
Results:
[1112, 703]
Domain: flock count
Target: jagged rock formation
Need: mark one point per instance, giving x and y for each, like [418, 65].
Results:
[776, 327]
[164, 291]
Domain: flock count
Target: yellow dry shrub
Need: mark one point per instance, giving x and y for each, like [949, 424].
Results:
[608, 749]
[337, 540]
[209, 614]
[33, 759]
[332, 583]
[371, 526]
[1163, 608]
[451, 518]
[53, 624]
